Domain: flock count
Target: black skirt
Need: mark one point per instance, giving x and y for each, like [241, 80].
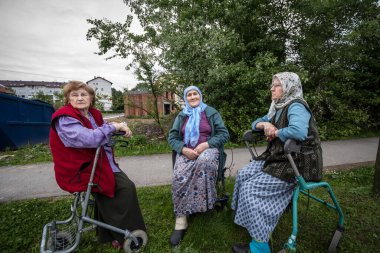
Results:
[122, 211]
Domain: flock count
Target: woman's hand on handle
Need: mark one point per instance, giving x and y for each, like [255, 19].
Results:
[123, 127]
[269, 130]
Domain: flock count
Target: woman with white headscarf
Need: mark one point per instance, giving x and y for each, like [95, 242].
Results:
[264, 188]
[198, 136]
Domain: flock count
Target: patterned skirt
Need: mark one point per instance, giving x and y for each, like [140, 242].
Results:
[259, 200]
[194, 181]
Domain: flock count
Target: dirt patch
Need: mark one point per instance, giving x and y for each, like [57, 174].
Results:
[148, 127]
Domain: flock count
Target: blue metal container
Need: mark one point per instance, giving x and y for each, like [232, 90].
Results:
[23, 121]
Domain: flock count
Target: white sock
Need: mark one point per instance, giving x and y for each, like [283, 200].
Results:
[180, 223]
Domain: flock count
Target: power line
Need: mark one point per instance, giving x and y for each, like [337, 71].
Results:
[29, 73]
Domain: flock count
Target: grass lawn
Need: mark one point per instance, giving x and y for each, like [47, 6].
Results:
[21, 222]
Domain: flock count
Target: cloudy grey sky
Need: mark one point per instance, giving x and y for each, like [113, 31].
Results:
[45, 40]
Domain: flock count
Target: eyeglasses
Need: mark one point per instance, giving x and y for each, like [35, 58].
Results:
[274, 86]
[76, 95]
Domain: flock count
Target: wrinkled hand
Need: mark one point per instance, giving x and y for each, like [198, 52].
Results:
[201, 147]
[189, 153]
[270, 131]
[123, 127]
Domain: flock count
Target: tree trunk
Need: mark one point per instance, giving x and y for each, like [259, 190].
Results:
[376, 181]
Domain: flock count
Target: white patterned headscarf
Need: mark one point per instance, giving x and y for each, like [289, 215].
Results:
[292, 89]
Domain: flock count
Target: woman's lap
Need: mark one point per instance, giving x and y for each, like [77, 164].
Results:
[259, 200]
[194, 181]
[122, 211]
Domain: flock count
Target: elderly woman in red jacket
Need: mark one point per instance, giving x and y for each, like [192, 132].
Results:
[77, 129]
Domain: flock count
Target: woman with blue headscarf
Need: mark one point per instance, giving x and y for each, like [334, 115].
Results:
[198, 135]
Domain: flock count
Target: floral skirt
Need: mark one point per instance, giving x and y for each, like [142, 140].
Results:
[194, 181]
[259, 200]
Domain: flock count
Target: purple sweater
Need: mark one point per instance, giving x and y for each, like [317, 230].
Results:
[204, 130]
[74, 135]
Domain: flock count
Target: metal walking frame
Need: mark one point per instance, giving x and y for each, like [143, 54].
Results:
[64, 236]
[292, 147]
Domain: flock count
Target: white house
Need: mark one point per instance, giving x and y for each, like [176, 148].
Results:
[28, 89]
[103, 91]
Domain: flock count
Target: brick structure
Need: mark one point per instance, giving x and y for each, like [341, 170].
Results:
[5, 90]
[137, 103]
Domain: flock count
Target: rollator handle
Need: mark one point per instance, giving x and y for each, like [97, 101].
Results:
[119, 133]
[293, 146]
[248, 136]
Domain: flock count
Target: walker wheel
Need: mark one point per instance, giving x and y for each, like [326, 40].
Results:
[220, 203]
[62, 241]
[130, 246]
[335, 241]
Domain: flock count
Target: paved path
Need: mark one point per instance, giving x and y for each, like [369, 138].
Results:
[37, 180]
[114, 116]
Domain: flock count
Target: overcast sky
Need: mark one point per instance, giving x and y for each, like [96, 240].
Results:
[45, 40]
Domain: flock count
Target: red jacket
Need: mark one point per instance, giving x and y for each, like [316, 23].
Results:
[73, 166]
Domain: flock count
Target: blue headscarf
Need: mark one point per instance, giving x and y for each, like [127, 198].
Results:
[192, 126]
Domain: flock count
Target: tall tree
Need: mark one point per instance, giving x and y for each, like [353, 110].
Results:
[203, 43]
[341, 58]
[117, 100]
[148, 75]
[232, 48]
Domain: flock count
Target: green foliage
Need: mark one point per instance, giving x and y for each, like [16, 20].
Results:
[232, 48]
[341, 67]
[138, 145]
[59, 102]
[21, 222]
[141, 87]
[26, 155]
[117, 100]
[98, 104]
[45, 98]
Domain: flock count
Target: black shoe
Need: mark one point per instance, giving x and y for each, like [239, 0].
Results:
[240, 248]
[177, 236]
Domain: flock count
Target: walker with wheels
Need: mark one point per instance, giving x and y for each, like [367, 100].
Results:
[293, 147]
[64, 236]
